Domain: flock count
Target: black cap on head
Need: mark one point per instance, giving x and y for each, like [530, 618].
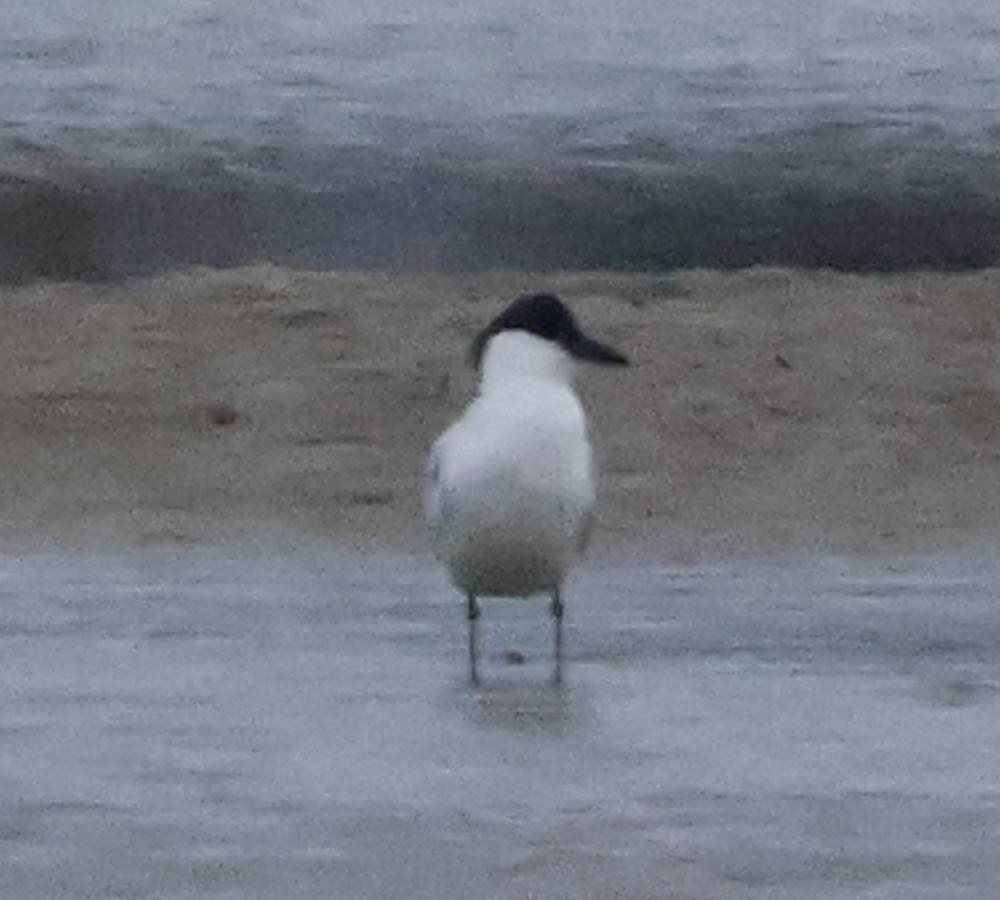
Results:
[547, 317]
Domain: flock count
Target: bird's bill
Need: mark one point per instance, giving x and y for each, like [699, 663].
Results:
[588, 349]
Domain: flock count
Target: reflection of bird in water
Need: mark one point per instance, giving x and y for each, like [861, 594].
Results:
[521, 704]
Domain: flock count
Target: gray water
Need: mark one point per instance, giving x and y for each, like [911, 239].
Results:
[133, 80]
[227, 723]
[444, 134]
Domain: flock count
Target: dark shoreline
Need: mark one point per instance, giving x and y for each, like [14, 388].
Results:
[91, 222]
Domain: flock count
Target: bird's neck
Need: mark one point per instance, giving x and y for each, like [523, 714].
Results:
[513, 356]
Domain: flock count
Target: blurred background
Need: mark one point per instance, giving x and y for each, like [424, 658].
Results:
[461, 135]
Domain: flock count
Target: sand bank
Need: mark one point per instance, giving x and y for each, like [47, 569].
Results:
[766, 410]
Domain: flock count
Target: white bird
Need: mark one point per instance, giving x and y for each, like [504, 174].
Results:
[510, 486]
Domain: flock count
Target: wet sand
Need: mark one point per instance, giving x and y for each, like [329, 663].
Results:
[767, 410]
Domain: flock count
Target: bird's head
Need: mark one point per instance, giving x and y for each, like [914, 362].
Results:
[545, 316]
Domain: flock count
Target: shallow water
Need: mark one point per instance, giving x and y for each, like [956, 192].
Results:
[220, 723]
[475, 135]
[135, 80]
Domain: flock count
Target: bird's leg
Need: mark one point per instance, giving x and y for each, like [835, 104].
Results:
[557, 616]
[472, 611]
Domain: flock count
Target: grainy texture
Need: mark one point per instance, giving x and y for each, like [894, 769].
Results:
[766, 409]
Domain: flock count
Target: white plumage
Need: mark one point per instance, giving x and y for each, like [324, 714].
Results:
[510, 486]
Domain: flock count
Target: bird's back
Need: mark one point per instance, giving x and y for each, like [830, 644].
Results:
[510, 489]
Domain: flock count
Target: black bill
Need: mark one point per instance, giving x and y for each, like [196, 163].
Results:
[583, 347]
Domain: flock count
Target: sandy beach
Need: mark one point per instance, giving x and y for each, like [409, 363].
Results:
[767, 410]
[233, 668]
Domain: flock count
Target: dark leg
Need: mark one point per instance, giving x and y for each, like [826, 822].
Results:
[557, 615]
[472, 611]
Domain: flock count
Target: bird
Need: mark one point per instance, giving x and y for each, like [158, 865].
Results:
[510, 486]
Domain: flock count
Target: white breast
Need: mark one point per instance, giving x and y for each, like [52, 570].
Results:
[510, 485]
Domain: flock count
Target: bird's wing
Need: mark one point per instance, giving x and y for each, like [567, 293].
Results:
[432, 484]
[586, 479]
[437, 509]
[586, 530]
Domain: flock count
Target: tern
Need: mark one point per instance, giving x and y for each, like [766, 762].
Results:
[510, 487]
